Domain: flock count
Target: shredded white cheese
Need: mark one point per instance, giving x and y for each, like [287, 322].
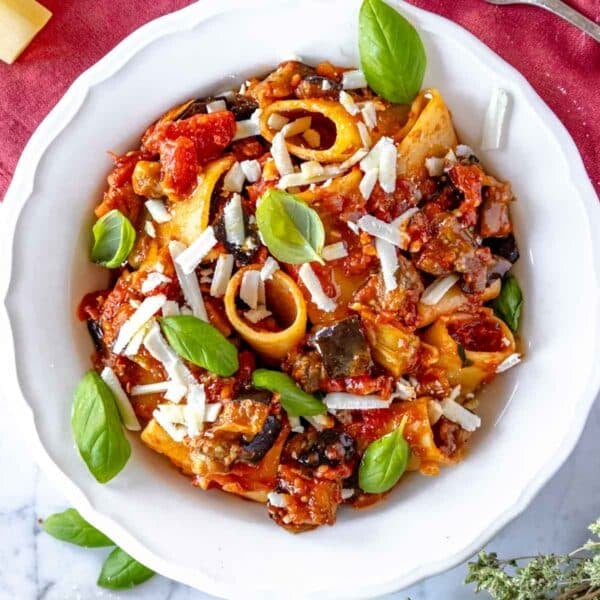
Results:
[367, 183]
[464, 151]
[152, 281]
[233, 217]
[256, 315]
[281, 156]
[123, 404]
[312, 168]
[216, 106]
[326, 85]
[277, 500]
[456, 413]
[160, 387]
[223, 270]
[277, 121]
[347, 493]
[136, 341]
[212, 412]
[334, 251]
[312, 138]
[369, 114]
[434, 166]
[380, 229]
[188, 282]
[434, 411]
[251, 169]
[296, 127]
[269, 268]
[345, 401]
[249, 287]
[158, 211]
[148, 308]
[313, 285]
[245, 129]
[176, 392]
[171, 418]
[353, 80]
[295, 424]
[387, 167]
[404, 390]
[192, 256]
[508, 363]
[389, 263]
[234, 178]
[348, 103]
[365, 136]
[150, 229]
[438, 289]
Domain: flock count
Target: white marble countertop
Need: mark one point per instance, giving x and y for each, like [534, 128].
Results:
[35, 566]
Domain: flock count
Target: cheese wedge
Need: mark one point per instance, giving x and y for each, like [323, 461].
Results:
[20, 21]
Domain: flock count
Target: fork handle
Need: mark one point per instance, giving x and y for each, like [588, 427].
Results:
[572, 16]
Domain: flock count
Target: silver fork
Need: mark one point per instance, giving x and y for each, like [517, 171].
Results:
[562, 10]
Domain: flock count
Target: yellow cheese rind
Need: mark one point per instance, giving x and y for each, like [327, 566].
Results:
[20, 21]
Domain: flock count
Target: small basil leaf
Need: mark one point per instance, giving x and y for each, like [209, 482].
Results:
[120, 571]
[508, 304]
[70, 526]
[114, 237]
[296, 402]
[292, 231]
[384, 462]
[97, 429]
[201, 344]
[392, 55]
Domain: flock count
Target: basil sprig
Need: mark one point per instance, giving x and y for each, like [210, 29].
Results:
[292, 231]
[114, 237]
[392, 55]
[70, 526]
[121, 571]
[296, 402]
[508, 304]
[201, 344]
[384, 462]
[97, 428]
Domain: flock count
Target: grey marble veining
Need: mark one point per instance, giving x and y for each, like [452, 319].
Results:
[34, 566]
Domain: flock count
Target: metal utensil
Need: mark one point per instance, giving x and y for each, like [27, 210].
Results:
[562, 10]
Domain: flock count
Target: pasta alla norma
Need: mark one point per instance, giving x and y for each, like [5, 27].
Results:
[313, 270]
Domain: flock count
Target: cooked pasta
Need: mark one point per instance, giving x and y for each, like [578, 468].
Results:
[322, 265]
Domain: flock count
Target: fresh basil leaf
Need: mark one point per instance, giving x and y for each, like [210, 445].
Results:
[462, 354]
[508, 304]
[201, 344]
[296, 402]
[114, 237]
[70, 526]
[120, 571]
[97, 428]
[292, 231]
[384, 462]
[392, 55]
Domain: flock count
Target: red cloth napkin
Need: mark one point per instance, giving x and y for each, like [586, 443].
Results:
[562, 64]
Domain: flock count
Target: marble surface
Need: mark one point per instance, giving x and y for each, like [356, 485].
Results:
[35, 566]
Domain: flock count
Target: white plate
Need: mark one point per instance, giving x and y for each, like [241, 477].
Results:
[532, 416]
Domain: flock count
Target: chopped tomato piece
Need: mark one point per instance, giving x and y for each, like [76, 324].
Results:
[180, 166]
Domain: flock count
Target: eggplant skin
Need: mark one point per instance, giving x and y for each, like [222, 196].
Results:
[505, 247]
[96, 334]
[343, 348]
[241, 106]
[254, 450]
[329, 447]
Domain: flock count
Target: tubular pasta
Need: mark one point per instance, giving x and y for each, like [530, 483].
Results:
[347, 140]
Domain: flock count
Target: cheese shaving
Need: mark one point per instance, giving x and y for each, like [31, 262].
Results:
[369, 114]
[188, 283]
[126, 411]
[354, 80]
[389, 263]
[367, 183]
[249, 288]
[223, 270]
[192, 256]
[152, 281]
[233, 217]
[345, 401]
[148, 308]
[269, 268]
[158, 211]
[334, 251]
[313, 285]
[438, 289]
[280, 155]
[216, 106]
[234, 178]
[251, 169]
[348, 103]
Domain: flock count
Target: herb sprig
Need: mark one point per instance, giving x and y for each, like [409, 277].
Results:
[574, 576]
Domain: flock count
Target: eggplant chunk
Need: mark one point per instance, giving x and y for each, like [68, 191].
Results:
[343, 347]
[329, 447]
[505, 247]
[241, 106]
[96, 334]
[254, 450]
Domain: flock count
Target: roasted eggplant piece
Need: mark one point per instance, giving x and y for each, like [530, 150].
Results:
[96, 334]
[241, 106]
[245, 253]
[316, 86]
[317, 448]
[343, 348]
[505, 247]
[254, 450]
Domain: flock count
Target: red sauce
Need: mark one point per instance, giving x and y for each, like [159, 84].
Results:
[477, 335]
